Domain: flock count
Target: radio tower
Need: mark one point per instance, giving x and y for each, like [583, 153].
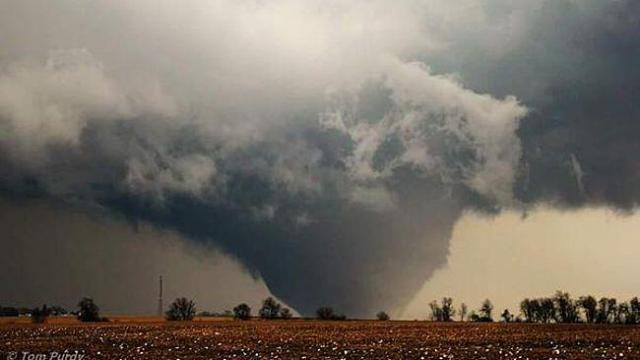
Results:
[160, 308]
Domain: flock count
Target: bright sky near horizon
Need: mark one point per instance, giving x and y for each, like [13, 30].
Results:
[510, 257]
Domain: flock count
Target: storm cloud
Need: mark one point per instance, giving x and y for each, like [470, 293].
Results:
[328, 146]
[572, 64]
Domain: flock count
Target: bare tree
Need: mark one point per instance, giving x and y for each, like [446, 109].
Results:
[634, 310]
[327, 313]
[485, 311]
[448, 312]
[606, 310]
[270, 309]
[436, 311]
[463, 311]
[566, 310]
[506, 316]
[589, 305]
[563, 309]
[530, 309]
[285, 313]
[181, 309]
[547, 310]
[623, 314]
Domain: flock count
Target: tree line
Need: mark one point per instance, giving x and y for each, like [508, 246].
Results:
[13, 311]
[87, 311]
[559, 308]
[182, 309]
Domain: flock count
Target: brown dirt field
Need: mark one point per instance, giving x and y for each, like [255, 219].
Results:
[71, 320]
[152, 338]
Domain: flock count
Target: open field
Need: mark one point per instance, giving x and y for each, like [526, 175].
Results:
[152, 338]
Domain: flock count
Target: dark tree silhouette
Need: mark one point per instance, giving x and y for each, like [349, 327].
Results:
[530, 310]
[606, 310]
[589, 305]
[181, 309]
[382, 316]
[566, 310]
[634, 311]
[562, 309]
[559, 308]
[242, 312]
[270, 309]
[474, 316]
[547, 310]
[325, 313]
[485, 311]
[443, 311]
[448, 312]
[9, 311]
[436, 311]
[623, 313]
[40, 315]
[89, 311]
[285, 313]
[506, 316]
[484, 314]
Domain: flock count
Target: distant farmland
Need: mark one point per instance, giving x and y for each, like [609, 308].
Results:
[153, 338]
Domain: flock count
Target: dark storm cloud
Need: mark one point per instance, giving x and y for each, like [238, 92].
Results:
[590, 114]
[310, 140]
[573, 63]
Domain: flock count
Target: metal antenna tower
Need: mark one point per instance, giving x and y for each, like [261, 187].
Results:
[160, 307]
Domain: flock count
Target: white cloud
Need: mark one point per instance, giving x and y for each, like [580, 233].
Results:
[51, 103]
[428, 107]
[245, 72]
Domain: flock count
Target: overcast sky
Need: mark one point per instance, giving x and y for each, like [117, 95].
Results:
[336, 152]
